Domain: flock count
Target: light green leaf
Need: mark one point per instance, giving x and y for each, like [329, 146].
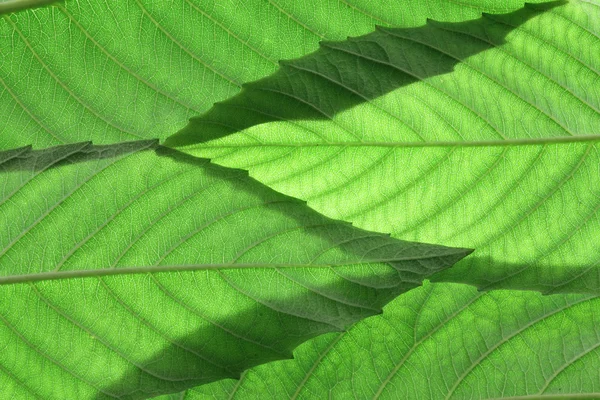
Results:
[479, 133]
[151, 272]
[445, 340]
[342, 75]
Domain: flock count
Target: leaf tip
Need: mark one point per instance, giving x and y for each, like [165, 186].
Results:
[150, 144]
[432, 22]
[549, 292]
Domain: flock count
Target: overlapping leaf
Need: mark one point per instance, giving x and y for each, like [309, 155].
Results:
[234, 274]
[488, 154]
[499, 165]
[112, 71]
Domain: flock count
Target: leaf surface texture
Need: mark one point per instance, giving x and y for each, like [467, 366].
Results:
[86, 62]
[72, 69]
[443, 341]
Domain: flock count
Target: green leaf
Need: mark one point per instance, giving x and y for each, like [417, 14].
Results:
[169, 272]
[442, 341]
[527, 201]
[478, 133]
[341, 75]
[114, 71]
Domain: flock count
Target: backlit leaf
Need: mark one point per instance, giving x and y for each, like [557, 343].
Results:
[144, 271]
[124, 70]
[481, 133]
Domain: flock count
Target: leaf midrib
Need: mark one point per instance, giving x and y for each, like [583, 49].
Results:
[453, 143]
[84, 273]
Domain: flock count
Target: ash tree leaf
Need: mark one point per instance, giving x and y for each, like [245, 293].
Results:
[482, 133]
[145, 271]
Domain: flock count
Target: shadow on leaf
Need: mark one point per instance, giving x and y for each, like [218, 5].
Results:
[26, 159]
[226, 347]
[488, 273]
[341, 75]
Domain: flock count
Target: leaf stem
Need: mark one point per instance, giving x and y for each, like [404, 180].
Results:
[17, 5]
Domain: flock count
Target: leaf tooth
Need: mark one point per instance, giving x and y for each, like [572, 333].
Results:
[287, 355]
[329, 44]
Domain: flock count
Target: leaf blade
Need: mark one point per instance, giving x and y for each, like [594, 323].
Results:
[173, 69]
